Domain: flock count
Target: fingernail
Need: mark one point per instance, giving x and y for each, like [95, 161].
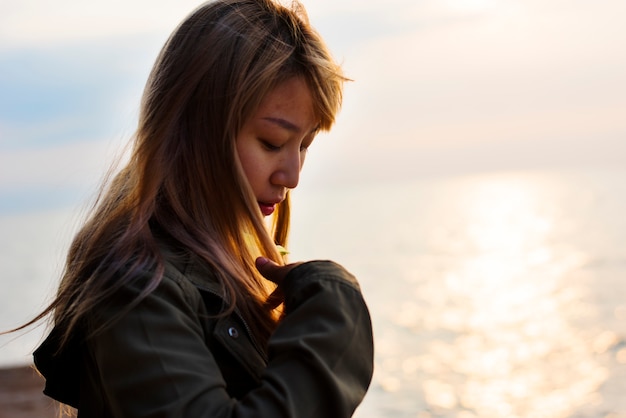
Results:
[261, 261]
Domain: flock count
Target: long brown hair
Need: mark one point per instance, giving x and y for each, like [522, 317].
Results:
[184, 178]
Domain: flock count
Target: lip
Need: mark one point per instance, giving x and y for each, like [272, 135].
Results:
[267, 208]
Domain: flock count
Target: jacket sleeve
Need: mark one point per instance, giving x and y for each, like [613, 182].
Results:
[321, 354]
[155, 361]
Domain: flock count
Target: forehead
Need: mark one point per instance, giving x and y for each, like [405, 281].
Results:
[289, 105]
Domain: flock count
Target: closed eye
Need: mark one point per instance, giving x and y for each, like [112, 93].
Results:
[269, 146]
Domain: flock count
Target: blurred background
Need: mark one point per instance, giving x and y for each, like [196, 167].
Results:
[475, 182]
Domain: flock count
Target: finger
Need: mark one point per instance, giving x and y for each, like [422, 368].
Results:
[270, 270]
[275, 299]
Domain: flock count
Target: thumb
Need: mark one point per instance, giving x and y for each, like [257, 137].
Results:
[269, 269]
[272, 271]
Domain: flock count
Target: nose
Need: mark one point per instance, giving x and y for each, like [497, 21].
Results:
[288, 172]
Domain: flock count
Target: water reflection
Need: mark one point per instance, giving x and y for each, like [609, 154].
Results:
[496, 324]
[492, 296]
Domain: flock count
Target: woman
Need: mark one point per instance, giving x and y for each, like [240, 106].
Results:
[174, 300]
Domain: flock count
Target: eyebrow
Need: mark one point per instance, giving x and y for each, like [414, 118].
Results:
[285, 124]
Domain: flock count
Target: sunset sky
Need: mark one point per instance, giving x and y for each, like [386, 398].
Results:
[441, 87]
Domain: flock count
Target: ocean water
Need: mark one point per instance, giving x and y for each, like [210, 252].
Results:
[500, 295]
[495, 295]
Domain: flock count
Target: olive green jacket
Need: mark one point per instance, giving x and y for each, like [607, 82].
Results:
[171, 357]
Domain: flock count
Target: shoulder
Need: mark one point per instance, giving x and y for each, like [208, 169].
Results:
[190, 279]
[194, 282]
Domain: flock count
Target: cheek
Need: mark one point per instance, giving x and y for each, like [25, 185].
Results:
[253, 166]
[249, 167]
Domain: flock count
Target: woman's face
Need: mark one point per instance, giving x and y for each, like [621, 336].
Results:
[272, 144]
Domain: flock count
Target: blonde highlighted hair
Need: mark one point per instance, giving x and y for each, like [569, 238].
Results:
[183, 185]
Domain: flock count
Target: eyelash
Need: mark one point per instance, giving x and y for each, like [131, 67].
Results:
[271, 147]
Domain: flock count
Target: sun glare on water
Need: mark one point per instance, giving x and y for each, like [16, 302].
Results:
[489, 313]
[510, 307]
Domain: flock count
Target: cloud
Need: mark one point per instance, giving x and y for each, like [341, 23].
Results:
[547, 81]
[72, 92]
[60, 175]
[66, 165]
[435, 81]
[39, 22]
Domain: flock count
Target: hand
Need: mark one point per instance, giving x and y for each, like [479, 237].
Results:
[274, 273]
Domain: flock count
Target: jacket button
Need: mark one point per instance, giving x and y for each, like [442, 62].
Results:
[232, 331]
